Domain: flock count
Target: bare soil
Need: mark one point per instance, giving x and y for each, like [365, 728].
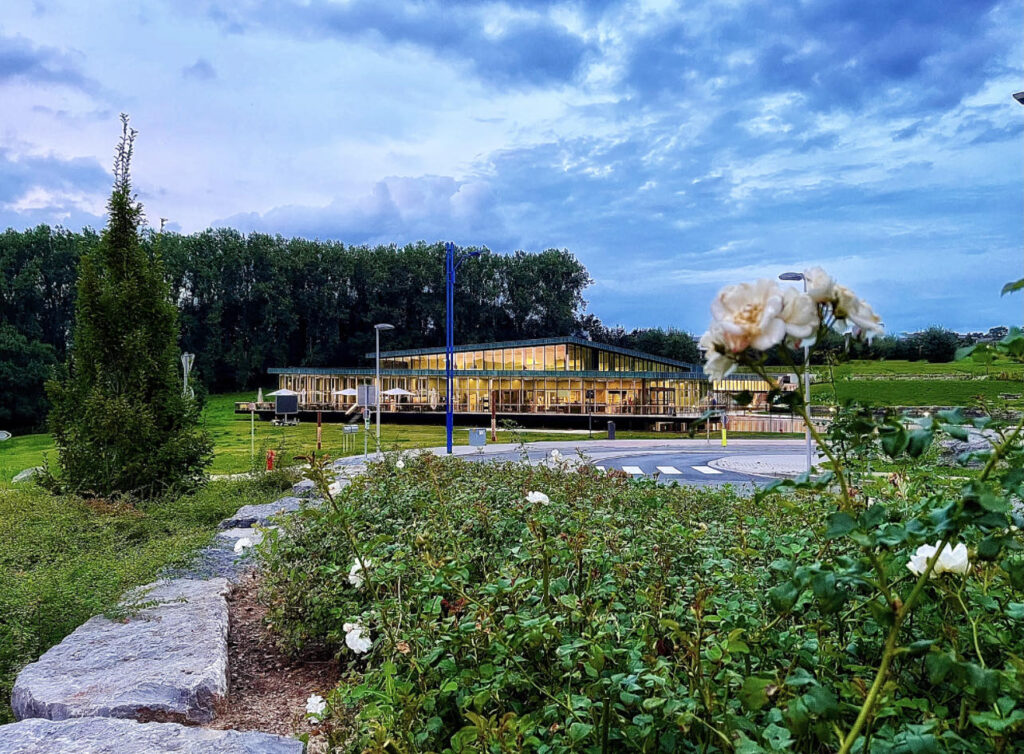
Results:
[267, 688]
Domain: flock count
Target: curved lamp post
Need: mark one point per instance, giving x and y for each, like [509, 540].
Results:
[794, 276]
[452, 262]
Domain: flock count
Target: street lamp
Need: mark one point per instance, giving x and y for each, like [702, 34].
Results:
[377, 331]
[452, 262]
[794, 276]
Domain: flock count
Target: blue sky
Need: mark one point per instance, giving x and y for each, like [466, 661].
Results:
[673, 147]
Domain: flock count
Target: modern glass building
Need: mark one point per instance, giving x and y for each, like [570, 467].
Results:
[528, 380]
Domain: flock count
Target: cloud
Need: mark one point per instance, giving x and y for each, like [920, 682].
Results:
[47, 189]
[21, 60]
[396, 210]
[201, 70]
[525, 47]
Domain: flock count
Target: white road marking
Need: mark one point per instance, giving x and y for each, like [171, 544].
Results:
[705, 470]
[669, 470]
[632, 469]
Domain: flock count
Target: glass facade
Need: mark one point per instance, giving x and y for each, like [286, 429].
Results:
[523, 378]
[564, 357]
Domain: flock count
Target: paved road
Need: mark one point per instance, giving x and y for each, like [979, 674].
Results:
[668, 461]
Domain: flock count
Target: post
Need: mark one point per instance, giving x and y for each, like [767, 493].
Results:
[807, 396]
[319, 432]
[376, 331]
[252, 430]
[449, 265]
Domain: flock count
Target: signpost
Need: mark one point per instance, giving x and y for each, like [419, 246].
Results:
[366, 431]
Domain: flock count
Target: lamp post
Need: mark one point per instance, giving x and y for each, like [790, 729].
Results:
[377, 331]
[793, 276]
[452, 262]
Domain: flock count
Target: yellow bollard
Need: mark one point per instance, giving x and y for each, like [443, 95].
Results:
[725, 442]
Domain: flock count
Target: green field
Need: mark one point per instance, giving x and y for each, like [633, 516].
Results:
[910, 392]
[64, 560]
[1000, 368]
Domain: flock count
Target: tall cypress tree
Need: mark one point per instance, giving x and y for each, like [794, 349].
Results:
[119, 419]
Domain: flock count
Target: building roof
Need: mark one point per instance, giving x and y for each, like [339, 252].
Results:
[563, 340]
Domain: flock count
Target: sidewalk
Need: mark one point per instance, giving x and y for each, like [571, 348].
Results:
[777, 466]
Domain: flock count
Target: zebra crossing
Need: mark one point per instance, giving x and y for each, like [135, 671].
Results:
[665, 471]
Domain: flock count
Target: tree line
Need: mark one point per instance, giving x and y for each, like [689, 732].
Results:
[247, 302]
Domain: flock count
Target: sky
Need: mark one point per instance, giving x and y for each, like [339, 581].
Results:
[672, 147]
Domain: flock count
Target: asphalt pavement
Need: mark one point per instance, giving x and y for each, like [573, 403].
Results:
[668, 461]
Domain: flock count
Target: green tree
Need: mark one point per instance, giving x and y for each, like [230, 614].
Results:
[119, 419]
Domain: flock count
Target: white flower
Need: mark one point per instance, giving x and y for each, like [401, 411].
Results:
[855, 315]
[800, 313]
[538, 497]
[315, 705]
[355, 573]
[242, 544]
[354, 638]
[399, 464]
[820, 285]
[952, 560]
[717, 364]
[748, 315]
[555, 453]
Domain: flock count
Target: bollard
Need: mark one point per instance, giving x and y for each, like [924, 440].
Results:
[611, 430]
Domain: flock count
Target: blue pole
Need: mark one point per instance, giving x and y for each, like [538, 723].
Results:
[449, 262]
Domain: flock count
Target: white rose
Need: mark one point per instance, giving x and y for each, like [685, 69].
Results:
[538, 497]
[354, 638]
[953, 560]
[820, 285]
[749, 315]
[717, 363]
[315, 705]
[855, 315]
[242, 544]
[355, 573]
[800, 313]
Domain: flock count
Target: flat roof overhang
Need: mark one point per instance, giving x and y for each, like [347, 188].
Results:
[518, 374]
[565, 340]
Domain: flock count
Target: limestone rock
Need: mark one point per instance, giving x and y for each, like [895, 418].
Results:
[98, 735]
[303, 488]
[166, 660]
[248, 515]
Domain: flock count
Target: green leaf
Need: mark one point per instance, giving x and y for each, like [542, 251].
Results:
[918, 442]
[1013, 287]
[990, 547]
[821, 701]
[753, 695]
[938, 665]
[920, 646]
[578, 731]
[784, 596]
[894, 440]
[840, 524]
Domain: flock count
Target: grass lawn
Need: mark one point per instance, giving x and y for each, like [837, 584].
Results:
[63, 560]
[857, 368]
[909, 392]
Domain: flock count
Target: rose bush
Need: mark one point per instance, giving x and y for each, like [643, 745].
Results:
[551, 608]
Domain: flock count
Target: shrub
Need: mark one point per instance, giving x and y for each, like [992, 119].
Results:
[119, 418]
